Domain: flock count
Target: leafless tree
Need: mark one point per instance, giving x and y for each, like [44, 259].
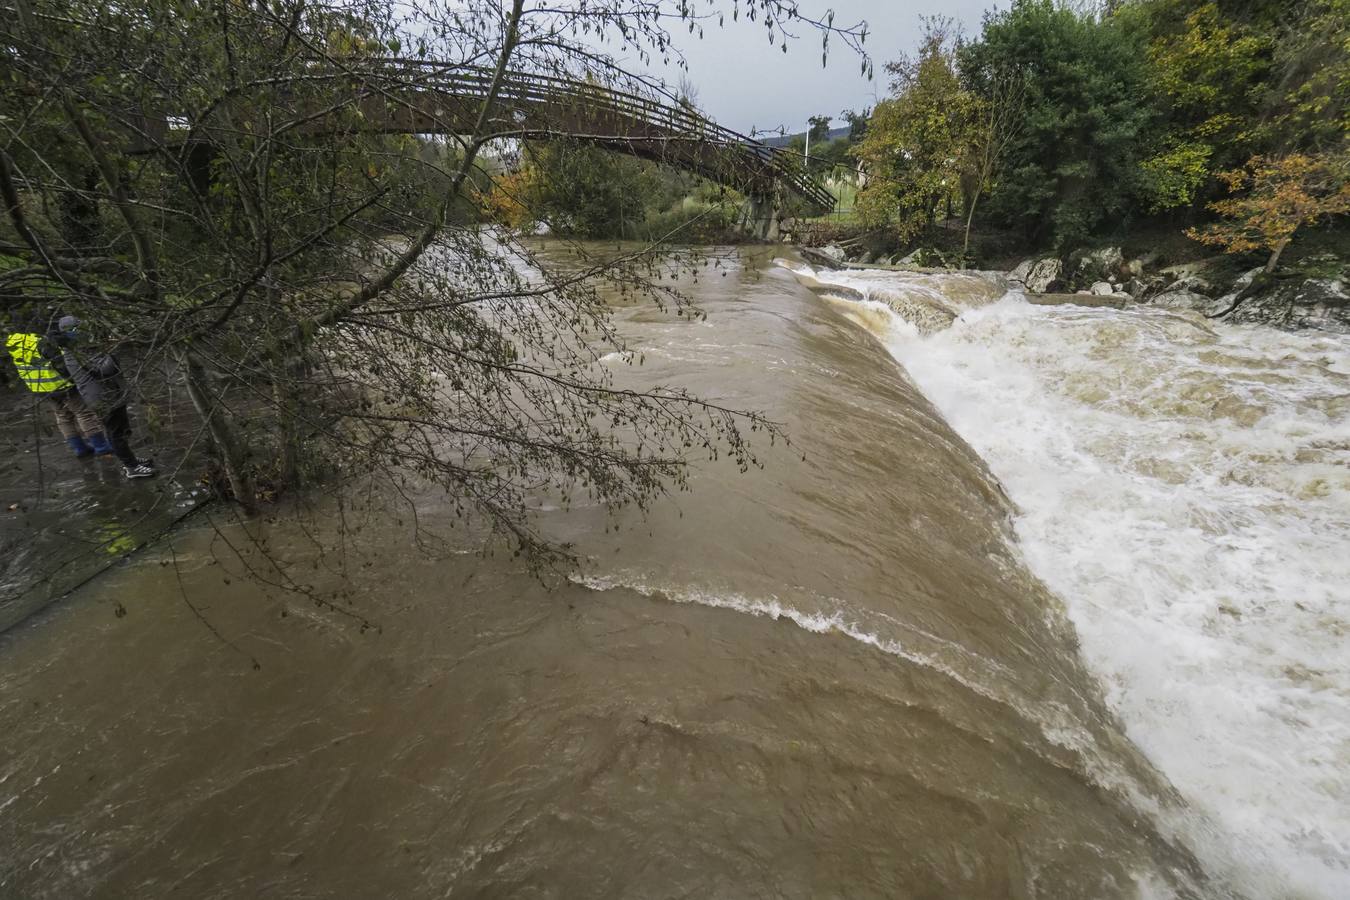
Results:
[275, 202]
[995, 125]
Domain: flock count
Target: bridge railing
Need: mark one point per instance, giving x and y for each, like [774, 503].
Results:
[763, 163]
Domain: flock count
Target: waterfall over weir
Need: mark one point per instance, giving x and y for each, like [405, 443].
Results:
[1184, 487]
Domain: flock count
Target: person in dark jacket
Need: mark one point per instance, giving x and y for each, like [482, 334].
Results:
[98, 378]
[39, 364]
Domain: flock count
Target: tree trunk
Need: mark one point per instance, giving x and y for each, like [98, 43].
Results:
[1275, 255]
[218, 424]
[289, 475]
[970, 217]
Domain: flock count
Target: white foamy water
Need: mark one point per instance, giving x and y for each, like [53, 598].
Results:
[1185, 488]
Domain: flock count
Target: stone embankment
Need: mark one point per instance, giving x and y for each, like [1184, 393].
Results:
[1293, 299]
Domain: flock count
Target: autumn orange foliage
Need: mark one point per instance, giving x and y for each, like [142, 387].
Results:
[1283, 194]
[504, 202]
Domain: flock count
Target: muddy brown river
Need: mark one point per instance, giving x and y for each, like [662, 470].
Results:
[837, 676]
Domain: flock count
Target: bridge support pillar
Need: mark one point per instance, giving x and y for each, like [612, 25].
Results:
[761, 216]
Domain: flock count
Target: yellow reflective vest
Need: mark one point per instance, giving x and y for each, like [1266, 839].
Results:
[35, 371]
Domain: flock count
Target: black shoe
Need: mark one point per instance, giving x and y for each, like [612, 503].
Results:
[142, 469]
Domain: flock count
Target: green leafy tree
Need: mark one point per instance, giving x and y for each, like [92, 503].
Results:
[1208, 75]
[917, 141]
[819, 130]
[583, 190]
[857, 124]
[1311, 83]
[1074, 163]
[831, 157]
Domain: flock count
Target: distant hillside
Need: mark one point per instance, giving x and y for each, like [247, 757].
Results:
[783, 140]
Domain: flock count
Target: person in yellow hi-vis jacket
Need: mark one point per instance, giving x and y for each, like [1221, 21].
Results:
[38, 362]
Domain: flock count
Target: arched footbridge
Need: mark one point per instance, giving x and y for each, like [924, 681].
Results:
[399, 96]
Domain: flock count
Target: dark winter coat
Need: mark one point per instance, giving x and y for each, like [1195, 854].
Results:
[98, 378]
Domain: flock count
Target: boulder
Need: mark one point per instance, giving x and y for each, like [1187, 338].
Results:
[1133, 269]
[1102, 289]
[1196, 284]
[1045, 275]
[924, 256]
[1245, 279]
[1235, 294]
[1322, 303]
[1194, 276]
[1019, 274]
[1182, 298]
[1145, 286]
[833, 251]
[1101, 264]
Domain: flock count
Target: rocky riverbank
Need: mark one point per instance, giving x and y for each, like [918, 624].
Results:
[1314, 294]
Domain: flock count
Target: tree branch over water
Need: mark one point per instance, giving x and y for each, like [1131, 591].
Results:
[249, 197]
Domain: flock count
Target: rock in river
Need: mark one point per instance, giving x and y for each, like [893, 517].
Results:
[1045, 275]
[1299, 303]
[1185, 298]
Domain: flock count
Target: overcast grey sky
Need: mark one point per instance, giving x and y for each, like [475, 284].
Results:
[744, 83]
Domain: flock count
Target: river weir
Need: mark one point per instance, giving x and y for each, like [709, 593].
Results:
[1184, 487]
[1040, 602]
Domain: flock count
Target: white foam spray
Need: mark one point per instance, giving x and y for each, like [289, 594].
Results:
[1185, 488]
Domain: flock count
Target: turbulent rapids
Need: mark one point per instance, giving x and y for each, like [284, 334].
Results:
[1041, 602]
[1184, 487]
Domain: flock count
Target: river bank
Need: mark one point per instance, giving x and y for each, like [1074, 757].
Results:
[1312, 291]
[65, 521]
